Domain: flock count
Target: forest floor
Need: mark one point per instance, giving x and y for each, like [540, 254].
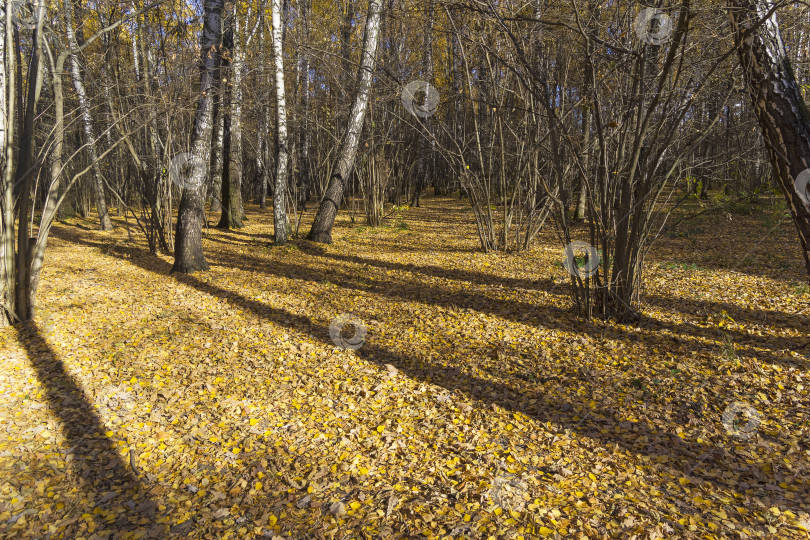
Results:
[148, 405]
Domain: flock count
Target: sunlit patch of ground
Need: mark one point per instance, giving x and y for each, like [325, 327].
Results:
[145, 404]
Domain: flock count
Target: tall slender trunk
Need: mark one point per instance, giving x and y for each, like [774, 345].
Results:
[116, 165]
[587, 126]
[304, 180]
[215, 184]
[426, 147]
[325, 218]
[55, 190]
[231, 198]
[84, 107]
[25, 172]
[269, 75]
[235, 168]
[188, 250]
[783, 116]
[8, 296]
[346, 31]
[262, 132]
[280, 192]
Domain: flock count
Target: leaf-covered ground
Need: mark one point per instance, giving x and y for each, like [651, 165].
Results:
[150, 405]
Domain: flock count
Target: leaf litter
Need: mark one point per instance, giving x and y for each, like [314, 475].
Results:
[478, 407]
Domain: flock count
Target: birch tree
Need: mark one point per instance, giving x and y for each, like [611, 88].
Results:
[188, 252]
[87, 119]
[325, 218]
[235, 168]
[20, 266]
[7, 114]
[783, 116]
[280, 193]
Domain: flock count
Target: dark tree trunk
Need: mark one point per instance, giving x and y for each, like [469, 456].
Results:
[216, 149]
[25, 306]
[231, 189]
[783, 116]
[188, 250]
[304, 137]
[262, 132]
[426, 147]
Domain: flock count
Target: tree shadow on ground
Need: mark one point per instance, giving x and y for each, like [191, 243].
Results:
[454, 274]
[740, 314]
[688, 336]
[786, 271]
[523, 312]
[104, 478]
[723, 465]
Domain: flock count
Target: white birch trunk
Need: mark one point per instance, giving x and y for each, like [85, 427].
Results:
[280, 192]
[89, 134]
[325, 218]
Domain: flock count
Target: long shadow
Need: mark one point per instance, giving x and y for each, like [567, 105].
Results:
[231, 241]
[412, 291]
[722, 467]
[512, 310]
[550, 317]
[103, 476]
[455, 274]
[783, 272]
[744, 343]
[236, 232]
[740, 314]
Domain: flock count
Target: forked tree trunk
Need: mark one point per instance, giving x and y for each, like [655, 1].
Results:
[20, 269]
[280, 192]
[25, 307]
[325, 218]
[783, 116]
[188, 252]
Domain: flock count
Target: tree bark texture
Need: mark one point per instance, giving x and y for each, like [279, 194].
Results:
[325, 218]
[188, 250]
[783, 116]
